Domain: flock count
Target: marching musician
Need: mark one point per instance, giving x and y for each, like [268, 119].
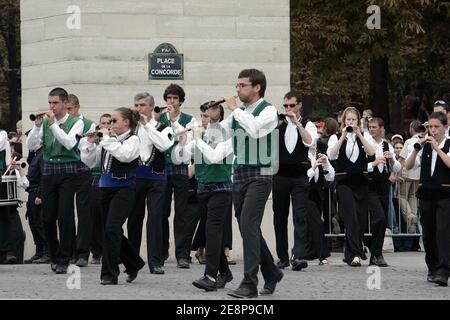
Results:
[117, 154]
[155, 138]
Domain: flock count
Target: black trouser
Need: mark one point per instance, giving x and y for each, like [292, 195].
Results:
[283, 189]
[216, 206]
[97, 223]
[34, 216]
[83, 201]
[317, 245]
[353, 201]
[57, 205]
[12, 235]
[153, 191]
[116, 247]
[435, 220]
[249, 200]
[379, 210]
[180, 186]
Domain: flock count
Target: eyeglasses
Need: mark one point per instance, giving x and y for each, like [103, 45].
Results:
[113, 120]
[440, 103]
[292, 105]
[242, 85]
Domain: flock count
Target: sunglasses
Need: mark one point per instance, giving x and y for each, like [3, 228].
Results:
[113, 120]
[289, 105]
[440, 102]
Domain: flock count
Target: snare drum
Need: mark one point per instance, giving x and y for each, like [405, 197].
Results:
[8, 192]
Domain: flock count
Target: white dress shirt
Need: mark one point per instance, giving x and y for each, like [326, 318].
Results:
[4, 145]
[351, 150]
[434, 156]
[256, 127]
[178, 128]
[413, 173]
[314, 173]
[123, 150]
[150, 137]
[292, 134]
[35, 137]
[378, 147]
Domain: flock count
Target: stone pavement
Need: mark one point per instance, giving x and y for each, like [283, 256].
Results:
[405, 279]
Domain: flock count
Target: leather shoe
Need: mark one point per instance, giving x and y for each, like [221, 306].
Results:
[45, 259]
[53, 266]
[10, 259]
[378, 261]
[299, 264]
[243, 292]
[156, 270]
[440, 280]
[205, 283]
[61, 269]
[108, 281]
[282, 264]
[81, 262]
[269, 286]
[30, 260]
[131, 277]
[430, 277]
[223, 279]
[96, 260]
[183, 264]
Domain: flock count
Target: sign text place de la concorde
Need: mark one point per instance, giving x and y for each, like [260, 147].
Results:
[165, 63]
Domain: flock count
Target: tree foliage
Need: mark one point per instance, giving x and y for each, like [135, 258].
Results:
[332, 49]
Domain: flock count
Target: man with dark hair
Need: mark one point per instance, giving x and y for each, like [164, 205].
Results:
[57, 132]
[252, 126]
[380, 167]
[177, 177]
[442, 106]
[433, 158]
[296, 136]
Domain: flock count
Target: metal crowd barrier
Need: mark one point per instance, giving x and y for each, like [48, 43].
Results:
[396, 221]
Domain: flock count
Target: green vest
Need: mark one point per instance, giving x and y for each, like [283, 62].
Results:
[248, 151]
[96, 172]
[211, 173]
[87, 124]
[184, 120]
[3, 157]
[55, 152]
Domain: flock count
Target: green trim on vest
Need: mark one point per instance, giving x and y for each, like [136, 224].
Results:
[87, 124]
[184, 120]
[96, 172]
[242, 141]
[55, 152]
[210, 173]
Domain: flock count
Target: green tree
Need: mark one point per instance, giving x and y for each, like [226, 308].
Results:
[10, 62]
[334, 53]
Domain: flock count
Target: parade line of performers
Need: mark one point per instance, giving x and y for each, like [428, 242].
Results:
[137, 158]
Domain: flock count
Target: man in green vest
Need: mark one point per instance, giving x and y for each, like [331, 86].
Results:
[177, 177]
[57, 131]
[254, 146]
[83, 194]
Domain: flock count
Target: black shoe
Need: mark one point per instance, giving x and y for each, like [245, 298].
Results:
[441, 280]
[33, 258]
[156, 270]
[299, 264]
[73, 260]
[45, 259]
[223, 279]
[205, 283]
[269, 286]
[61, 269]
[10, 259]
[81, 262]
[96, 260]
[243, 292]
[108, 281]
[431, 277]
[282, 264]
[131, 277]
[53, 266]
[378, 261]
[183, 264]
